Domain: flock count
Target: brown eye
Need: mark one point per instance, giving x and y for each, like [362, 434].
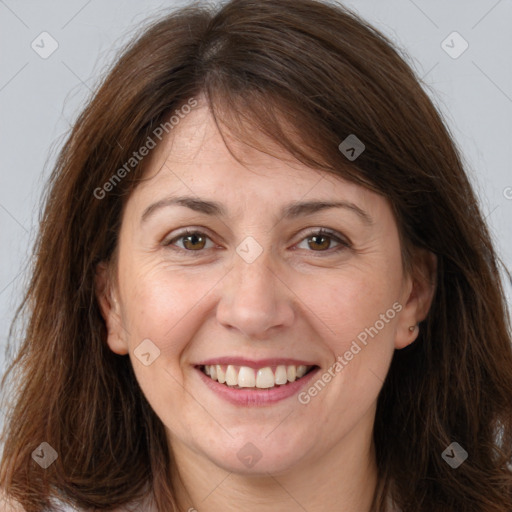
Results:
[322, 241]
[194, 241]
[191, 241]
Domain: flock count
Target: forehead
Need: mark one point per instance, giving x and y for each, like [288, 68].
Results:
[195, 160]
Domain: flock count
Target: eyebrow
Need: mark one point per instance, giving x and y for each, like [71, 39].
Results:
[290, 211]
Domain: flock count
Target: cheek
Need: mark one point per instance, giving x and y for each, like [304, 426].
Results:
[160, 306]
[352, 301]
[356, 310]
[166, 306]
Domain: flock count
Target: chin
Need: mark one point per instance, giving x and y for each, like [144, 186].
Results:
[258, 457]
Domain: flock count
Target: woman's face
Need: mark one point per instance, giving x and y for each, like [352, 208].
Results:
[256, 289]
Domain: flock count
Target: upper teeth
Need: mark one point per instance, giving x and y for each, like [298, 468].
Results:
[246, 377]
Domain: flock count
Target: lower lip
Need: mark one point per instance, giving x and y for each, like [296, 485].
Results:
[257, 397]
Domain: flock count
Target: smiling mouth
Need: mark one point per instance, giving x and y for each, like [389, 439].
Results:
[245, 377]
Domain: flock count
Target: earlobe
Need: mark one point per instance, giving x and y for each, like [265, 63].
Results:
[110, 310]
[418, 297]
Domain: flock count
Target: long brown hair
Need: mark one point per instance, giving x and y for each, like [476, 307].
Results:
[270, 65]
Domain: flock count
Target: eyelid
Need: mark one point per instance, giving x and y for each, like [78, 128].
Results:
[342, 241]
[192, 230]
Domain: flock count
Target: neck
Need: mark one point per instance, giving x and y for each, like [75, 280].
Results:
[343, 478]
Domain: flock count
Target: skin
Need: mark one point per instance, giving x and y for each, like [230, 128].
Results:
[298, 299]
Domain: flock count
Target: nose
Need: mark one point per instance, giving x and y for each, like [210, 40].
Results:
[255, 299]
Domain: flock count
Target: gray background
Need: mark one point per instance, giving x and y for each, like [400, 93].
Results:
[40, 98]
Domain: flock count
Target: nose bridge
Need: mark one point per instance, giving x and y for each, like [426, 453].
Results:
[253, 299]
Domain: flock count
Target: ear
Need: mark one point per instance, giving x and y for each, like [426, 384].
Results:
[106, 296]
[418, 293]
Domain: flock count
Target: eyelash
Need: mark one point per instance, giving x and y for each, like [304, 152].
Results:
[342, 244]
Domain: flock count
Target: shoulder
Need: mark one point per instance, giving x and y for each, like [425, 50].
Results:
[8, 504]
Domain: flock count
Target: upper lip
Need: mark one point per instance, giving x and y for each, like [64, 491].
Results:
[251, 363]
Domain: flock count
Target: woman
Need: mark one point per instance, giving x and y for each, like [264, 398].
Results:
[263, 282]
